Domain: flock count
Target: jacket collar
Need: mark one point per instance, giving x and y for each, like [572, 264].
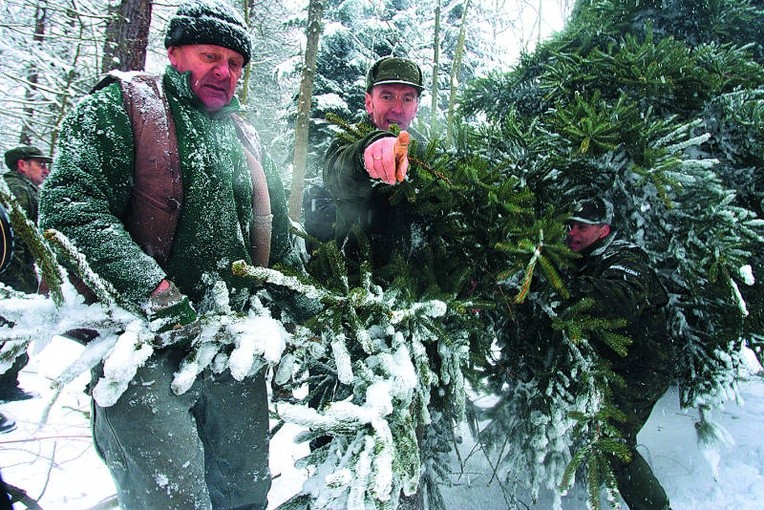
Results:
[599, 247]
[13, 174]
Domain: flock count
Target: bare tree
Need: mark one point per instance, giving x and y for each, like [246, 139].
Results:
[55, 47]
[435, 70]
[456, 69]
[313, 33]
[32, 77]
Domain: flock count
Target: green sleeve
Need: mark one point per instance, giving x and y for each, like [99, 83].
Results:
[25, 194]
[344, 172]
[20, 273]
[87, 194]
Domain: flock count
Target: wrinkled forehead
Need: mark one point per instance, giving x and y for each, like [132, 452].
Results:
[395, 89]
[211, 48]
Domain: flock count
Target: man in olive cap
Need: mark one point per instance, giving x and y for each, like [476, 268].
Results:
[358, 173]
[164, 231]
[29, 162]
[27, 169]
[617, 276]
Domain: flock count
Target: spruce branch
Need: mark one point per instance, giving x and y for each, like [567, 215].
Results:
[379, 347]
[29, 234]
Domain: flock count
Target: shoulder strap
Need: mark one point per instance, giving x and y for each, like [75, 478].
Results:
[262, 225]
[158, 189]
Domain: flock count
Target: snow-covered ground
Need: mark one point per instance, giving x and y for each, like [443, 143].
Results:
[56, 464]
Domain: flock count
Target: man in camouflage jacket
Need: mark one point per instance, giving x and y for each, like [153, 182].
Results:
[28, 168]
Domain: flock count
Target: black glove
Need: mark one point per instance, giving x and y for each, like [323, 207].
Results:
[172, 317]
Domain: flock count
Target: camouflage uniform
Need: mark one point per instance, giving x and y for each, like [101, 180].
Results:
[20, 273]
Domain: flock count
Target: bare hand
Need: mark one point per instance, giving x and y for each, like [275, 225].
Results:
[387, 158]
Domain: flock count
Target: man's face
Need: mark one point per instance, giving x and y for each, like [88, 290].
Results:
[214, 71]
[582, 235]
[392, 103]
[36, 170]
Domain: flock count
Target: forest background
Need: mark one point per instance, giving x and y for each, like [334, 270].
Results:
[656, 104]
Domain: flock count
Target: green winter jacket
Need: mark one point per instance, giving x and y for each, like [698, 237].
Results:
[20, 273]
[618, 276]
[365, 202]
[87, 196]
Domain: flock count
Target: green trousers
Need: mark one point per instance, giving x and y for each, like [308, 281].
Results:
[205, 449]
[637, 484]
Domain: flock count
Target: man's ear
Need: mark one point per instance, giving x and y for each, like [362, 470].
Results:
[22, 167]
[171, 56]
[368, 103]
[605, 231]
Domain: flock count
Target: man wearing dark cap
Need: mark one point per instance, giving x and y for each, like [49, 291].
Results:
[29, 162]
[161, 207]
[617, 276]
[357, 174]
[27, 169]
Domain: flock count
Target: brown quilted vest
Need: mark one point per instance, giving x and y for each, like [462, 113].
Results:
[157, 196]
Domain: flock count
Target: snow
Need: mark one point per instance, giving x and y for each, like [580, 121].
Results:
[51, 455]
[330, 102]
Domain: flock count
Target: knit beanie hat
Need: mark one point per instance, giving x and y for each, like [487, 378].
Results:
[209, 22]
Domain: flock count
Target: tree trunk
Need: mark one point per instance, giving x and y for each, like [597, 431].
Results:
[64, 100]
[127, 36]
[435, 71]
[455, 70]
[30, 92]
[244, 95]
[313, 32]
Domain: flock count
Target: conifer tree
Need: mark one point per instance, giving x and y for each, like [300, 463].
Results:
[633, 99]
[621, 103]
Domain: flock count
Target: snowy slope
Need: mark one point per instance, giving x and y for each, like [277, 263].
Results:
[56, 463]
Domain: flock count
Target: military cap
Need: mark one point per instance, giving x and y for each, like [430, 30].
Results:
[13, 156]
[394, 70]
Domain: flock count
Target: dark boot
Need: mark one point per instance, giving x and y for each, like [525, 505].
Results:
[6, 424]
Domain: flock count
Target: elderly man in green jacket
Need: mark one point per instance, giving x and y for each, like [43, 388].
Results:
[206, 448]
[617, 275]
